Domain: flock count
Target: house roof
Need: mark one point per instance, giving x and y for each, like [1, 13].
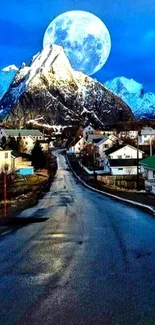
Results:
[114, 148]
[102, 141]
[80, 140]
[111, 137]
[147, 131]
[122, 162]
[118, 147]
[94, 138]
[89, 126]
[22, 132]
[148, 162]
[15, 154]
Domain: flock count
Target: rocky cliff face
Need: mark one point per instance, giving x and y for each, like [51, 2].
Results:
[141, 103]
[49, 87]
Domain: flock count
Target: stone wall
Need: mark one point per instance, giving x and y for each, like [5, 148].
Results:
[125, 181]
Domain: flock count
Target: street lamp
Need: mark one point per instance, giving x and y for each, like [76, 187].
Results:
[94, 160]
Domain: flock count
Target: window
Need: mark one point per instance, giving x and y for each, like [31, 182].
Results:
[6, 155]
[127, 156]
[153, 173]
[120, 168]
[119, 157]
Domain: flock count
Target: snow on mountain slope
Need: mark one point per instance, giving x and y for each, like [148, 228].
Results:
[132, 92]
[6, 76]
[49, 87]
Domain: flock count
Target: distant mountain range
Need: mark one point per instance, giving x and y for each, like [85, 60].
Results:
[131, 92]
[49, 87]
[141, 103]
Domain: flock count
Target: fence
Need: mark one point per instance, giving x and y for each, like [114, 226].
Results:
[125, 181]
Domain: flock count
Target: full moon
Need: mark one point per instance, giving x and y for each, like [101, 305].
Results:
[84, 37]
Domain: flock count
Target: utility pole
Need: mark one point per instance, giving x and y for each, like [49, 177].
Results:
[94, 163]
[4, 191]
[139, 133]
[150, 145]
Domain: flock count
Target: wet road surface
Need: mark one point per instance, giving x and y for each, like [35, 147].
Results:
[92, 262]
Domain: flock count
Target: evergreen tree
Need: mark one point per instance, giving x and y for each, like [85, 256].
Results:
[20, 145]
[12, 143]
[38, 157]
[3, 142]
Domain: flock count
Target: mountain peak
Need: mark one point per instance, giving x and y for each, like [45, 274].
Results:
[10, 68]
[132, 92]
[120, 84]
[50, 87]
[7, 75]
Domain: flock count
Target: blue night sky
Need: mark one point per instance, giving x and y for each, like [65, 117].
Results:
[131, 24]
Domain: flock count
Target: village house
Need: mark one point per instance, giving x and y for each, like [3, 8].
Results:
[106, 143]
[78, 147]
[11, 161]
[5, 160]
[105, 132]
[123, 159]
[147, 166]
[132, 134]
[20, 165]
[146, 136]
[29, 137]
[44, 144]
[88, 130]
[95, 138]
[124, 151]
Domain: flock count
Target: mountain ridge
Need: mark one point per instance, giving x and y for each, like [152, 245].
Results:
[133, 93]
[7, 75]
[50, 87]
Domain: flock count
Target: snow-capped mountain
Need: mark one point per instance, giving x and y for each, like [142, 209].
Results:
[132, 92]
[49, 87]
[6, 76]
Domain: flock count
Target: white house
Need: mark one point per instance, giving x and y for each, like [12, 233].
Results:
[132, 134]
[5, 160]
[123, 159]
[124, 152]
[18, 162]
[44, 145]
[29, 143]
[106, 143]
[78, 147]
[95, 138]
[29, 137]
[146, 135]
[123, 166]
[88, 130]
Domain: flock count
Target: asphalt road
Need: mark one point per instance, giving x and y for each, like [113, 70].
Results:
[92, 262]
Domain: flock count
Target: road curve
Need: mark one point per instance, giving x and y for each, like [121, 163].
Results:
[92, 262]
